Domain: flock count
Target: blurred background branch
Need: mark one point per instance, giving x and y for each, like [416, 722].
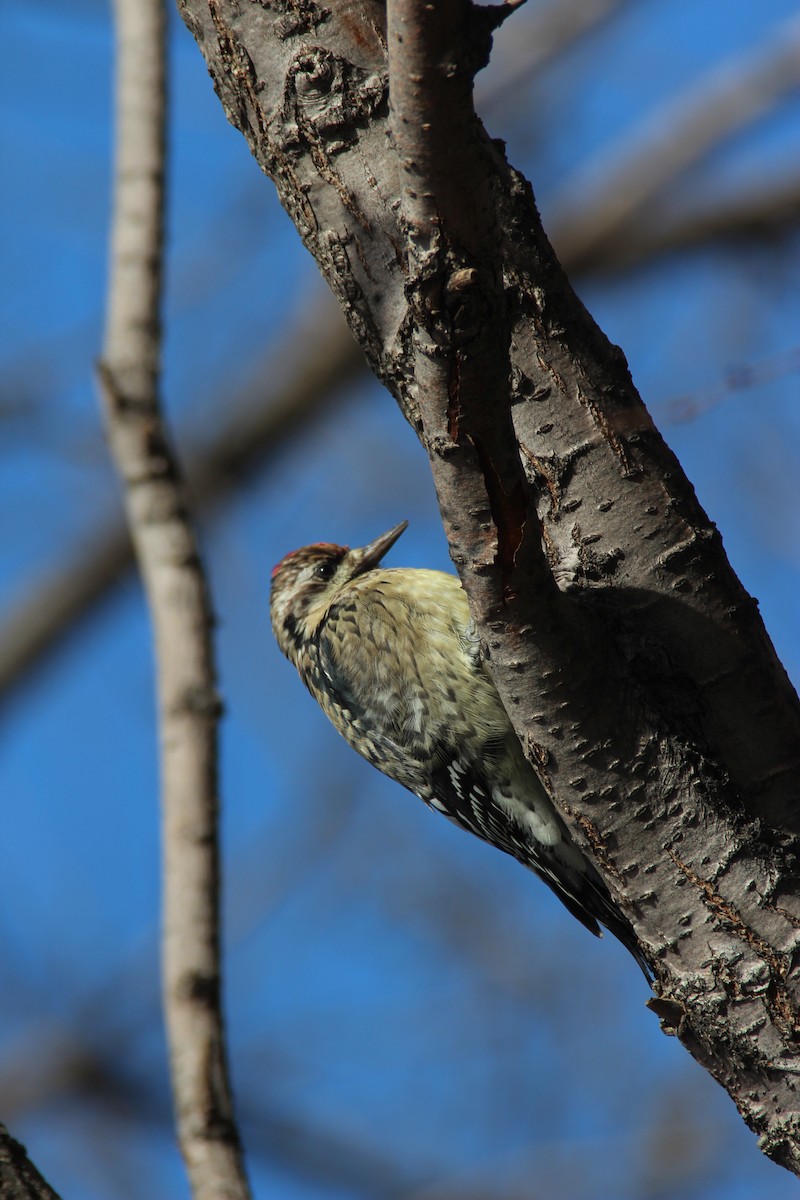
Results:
[260, 418]
[598, 203]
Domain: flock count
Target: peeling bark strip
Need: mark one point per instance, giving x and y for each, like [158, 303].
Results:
[634, 665]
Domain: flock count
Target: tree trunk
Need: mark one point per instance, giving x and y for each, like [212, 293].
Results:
[635, 667]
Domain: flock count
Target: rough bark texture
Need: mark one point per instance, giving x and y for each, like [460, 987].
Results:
[19, 1179]
[633, 663]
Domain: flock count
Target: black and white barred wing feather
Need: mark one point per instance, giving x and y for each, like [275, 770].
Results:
[392, 659]
[415, 729]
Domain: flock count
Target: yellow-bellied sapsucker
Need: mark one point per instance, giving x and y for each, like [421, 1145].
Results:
[393, 659]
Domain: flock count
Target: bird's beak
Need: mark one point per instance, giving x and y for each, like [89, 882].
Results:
[370, 555]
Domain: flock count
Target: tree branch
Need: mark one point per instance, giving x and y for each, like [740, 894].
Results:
[596, 204]
[763, 209]
[635, 668]
[189, 707]
[541, 33]
[461, 330]
[19, 1179]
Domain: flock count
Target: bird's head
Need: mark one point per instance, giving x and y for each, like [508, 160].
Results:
[305, 582]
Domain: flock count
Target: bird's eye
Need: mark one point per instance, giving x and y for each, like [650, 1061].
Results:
[324, 569]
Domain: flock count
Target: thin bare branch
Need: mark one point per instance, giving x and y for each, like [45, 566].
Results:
[255, 426]
[602, 196]
[189, 707]
[679, 409]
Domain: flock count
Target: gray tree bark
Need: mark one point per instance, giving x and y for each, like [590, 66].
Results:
[635, 667]
[19, 1179]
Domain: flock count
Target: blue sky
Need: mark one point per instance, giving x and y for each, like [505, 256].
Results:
[393, 986]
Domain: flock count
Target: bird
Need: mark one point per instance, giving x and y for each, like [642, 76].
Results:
[393, 659]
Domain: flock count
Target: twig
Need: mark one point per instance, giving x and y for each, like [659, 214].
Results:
[679, 409]
[166, 549]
